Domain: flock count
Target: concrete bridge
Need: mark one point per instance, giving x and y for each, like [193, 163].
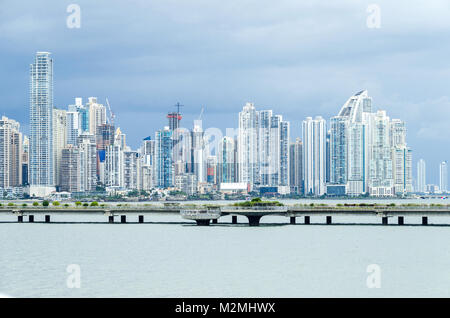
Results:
[253, 214]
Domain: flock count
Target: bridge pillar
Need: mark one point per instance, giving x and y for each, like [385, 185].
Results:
[31, 218]
[20, 218]
[329, 219]
[47, 219]
[234, 219]
[202, 222]
[123, 219]
[141, 219]
[111, 219]
[401, 220]
[424, 220]
[214, 221]
[253, 220]
[384, 220]
[307, 219]
[292, 219]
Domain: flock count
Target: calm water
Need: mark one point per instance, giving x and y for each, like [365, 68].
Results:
[183, 260]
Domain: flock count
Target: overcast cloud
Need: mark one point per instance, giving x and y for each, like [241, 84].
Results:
[299, 58]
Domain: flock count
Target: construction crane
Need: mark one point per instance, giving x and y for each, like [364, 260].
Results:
[111, 114]
[201, 113]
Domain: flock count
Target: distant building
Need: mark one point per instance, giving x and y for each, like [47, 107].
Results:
[314, 155]
[226, 161]
[421, 176]
[59, 140]
[70, 170]
[296, 166]
[163, 156]
[10, 153]
[443, 176]
[187, 183]
[41, 122]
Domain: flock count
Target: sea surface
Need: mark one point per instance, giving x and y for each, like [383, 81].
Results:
[171, 257]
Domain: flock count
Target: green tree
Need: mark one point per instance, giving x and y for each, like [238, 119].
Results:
[35, 203]
[45, 203]
[55, 203]
[78, 203]
[95, 203]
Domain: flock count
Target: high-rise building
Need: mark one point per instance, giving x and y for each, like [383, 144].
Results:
[41, 122]
[96, 115]
[211, 169]
[339, 149]
[10, 153]
[25, 156]
[226, 161]
[70, 170]
[131, 169]
[262, 148]
[198, 153]
[381, 180]
[88, 161]
[314, 155]
[421, 176]
[247, 155]
[59, 140]
[296, 166]
[402, 169]
[163, 151]
[443, 176]
[349, 152]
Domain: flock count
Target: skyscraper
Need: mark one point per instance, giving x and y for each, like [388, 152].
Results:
[10, 153]
[443, 176]
[248, 170]
[296, 166]
[421, 176]
[226, 161]
[41, 122]
[163, 151]
[349, 144]
[59, 140]
[314, 155]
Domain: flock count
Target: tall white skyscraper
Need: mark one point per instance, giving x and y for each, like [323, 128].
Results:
[314, 155]
[248, 170]
[421, 176]
[41, 122]
[349, 144]
[443, 176]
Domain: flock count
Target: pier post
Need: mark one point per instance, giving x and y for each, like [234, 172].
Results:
[253, 220]
[329, 219]
[424, 220]
[31, 218]
[292, 219]
[401, 220]
[307, 219]
[214, 221]
[123, 219]
[111, 219]
[384, 220]
[20, 218]
[234, 219]
[141, 219]
[47, 218]
[203, 222]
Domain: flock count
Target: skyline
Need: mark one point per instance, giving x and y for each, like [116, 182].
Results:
[292, 78]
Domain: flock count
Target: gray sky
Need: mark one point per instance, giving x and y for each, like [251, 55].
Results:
[299, 58]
